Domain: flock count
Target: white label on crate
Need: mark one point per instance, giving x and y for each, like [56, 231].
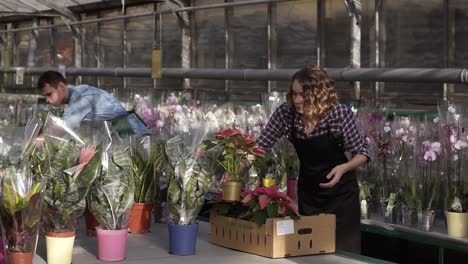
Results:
[285, 227]
[19, 75]
[436, 119]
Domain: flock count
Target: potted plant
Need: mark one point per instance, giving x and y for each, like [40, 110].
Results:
[21, 193]
[68, 167]
[146, 158]
[110, 201]
[258, 205]
[20, 213]
[429, 185]
[410, 200]
[189, 168]
[238, 152]
[454, 149]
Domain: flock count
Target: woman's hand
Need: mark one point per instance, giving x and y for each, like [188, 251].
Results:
[337, 172]
[335, 175]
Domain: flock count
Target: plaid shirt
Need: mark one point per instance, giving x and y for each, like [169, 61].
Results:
[340, 120]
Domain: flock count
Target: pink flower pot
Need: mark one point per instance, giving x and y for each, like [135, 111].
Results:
[2, 251]
[292, 189]
[111, 244]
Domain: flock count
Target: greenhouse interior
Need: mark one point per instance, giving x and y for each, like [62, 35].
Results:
[261, 131]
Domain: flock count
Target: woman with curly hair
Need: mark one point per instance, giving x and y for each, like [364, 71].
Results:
[322, 130]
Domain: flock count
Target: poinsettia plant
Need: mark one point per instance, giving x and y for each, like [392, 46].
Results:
[238, 154]
[258, 205]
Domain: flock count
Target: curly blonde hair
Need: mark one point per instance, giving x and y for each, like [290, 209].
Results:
[320, 93]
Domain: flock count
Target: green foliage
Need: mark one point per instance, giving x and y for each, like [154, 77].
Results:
[258, 205]
[20, 213]
[65, 191]
[147, 171]
[189, 180]
[112, 194]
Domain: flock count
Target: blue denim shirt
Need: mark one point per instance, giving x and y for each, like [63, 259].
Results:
[90, 103]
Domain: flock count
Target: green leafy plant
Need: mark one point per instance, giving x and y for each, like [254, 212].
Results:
[147, 167]
[69, 171]
[189, 176]
[111, 196]
[20, 209]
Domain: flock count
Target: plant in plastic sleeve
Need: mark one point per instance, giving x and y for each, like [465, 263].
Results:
[21, 192]
[189, 169]
[238, 153]
[454, 141]
[112, 194]
[69, 166]
[147, 163]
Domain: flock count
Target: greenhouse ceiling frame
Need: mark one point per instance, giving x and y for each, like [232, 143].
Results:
[446, 76]
[409, 75]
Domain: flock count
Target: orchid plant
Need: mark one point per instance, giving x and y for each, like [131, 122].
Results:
[453, 135]
[429, 183]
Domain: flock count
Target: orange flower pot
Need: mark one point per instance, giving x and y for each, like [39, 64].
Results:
[19, 258]
[140, 221]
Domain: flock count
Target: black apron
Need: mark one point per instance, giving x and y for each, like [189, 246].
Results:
[318, 156]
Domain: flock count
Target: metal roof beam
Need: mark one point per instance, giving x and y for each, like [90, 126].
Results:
[64, 11]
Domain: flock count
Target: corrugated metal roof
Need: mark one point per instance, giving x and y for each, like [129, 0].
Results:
[10, 7]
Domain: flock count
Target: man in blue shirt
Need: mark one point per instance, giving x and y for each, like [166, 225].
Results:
[88, 103]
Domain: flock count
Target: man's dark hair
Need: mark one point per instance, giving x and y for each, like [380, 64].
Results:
[52, 78]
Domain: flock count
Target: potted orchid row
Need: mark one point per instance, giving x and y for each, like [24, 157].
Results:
[417, 159]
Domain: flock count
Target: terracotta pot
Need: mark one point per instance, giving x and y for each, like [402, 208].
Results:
[91, 223]
[457, 224]
[231, 191]
[60, 247]
[158, 213]
[19, 258]
[140, 221]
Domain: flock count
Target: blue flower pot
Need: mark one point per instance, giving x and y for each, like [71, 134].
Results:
[183, 239]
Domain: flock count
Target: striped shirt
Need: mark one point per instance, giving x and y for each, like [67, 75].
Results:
[340, 120]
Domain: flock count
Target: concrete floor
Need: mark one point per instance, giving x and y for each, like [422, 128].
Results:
[153, 248]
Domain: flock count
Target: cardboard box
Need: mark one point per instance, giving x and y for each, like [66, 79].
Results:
[278, 237]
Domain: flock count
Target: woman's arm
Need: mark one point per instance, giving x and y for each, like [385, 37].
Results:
[276, 128]
[337, 172]
[353, 141]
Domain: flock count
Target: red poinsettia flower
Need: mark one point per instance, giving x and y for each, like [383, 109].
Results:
[248, 140]
[258, 151]
[227, 133]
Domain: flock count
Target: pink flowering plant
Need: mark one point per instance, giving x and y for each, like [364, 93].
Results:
[454, 141]
[257, 205]
[429, 183]
[238, 153]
